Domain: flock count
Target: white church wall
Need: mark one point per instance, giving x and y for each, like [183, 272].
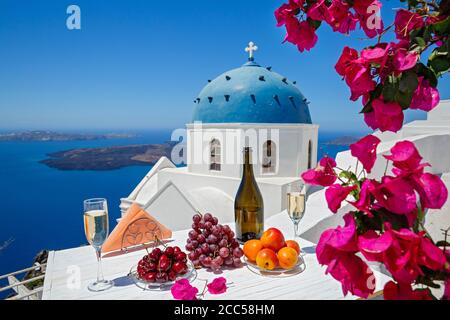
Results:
[291, 141]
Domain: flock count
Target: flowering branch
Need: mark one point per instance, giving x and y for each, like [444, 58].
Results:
[387, 221]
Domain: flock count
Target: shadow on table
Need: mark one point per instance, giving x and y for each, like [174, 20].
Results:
[309, 250]
[123, 281]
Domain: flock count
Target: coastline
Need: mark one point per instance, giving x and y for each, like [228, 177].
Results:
[108, 158]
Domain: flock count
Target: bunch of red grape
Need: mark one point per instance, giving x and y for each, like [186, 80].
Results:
[162, 266]
[211, 244]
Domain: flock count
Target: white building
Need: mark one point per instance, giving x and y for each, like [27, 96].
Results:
[247, 106]
[432, 139]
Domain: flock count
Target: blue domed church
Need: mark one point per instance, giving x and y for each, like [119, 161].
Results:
[252, 106]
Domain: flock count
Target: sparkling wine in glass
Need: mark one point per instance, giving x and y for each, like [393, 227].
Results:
[96, 228]
[296, 201]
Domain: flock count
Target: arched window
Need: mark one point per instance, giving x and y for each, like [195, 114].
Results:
[215, 153]
[269, 157]
[309, 154]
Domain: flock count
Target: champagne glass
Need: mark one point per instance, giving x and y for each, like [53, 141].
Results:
[296, 200]
[96, 228]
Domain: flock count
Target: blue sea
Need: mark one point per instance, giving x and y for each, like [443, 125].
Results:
[41, 207]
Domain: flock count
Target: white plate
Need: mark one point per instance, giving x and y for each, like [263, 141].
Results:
[299, 267]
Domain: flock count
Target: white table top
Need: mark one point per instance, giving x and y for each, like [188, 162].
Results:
[65, 266]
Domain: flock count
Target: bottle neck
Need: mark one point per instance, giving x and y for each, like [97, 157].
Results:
[248, 166]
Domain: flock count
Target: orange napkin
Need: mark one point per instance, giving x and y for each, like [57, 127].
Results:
[136, 227]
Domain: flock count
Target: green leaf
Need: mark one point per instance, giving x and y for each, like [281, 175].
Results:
[408, 82]
[442, 28]
[404, 99]
[367, 108]
[314, 23]
[440, 64]
[419, 41]
[397, 221]
[372, 96]
[407, 85]
[443, 243]
[439, 59]
[428, 73]
[348, 175]
[390, 89]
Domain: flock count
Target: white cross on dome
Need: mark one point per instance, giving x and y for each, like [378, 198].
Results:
[251, 49]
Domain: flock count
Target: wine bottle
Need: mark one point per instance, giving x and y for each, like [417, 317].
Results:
[248, 204]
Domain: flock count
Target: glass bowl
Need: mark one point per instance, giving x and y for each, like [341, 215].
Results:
[190, 275]
[278, 272]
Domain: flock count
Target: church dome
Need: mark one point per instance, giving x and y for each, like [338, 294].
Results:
[251, 94]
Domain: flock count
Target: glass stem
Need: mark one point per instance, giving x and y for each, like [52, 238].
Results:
[98, 251]
[296, 223]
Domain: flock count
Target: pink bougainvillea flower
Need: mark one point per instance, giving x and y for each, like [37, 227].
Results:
[218, 286]
[404, 291]
[404, 156]
[341, 19]
[405, 22]
[348, 56]
[353, 273]
[432, 190]
[292, 29]
[425, 97]
[407, 161]
[386, 116]
[182, 290]
[396, 194]
[404, 59]
[335, 194]
[344, 238]
[288, 11]
[323, 174]
[337, 240]
[368, 12]
[372, 245]
[282, 12]
[401, 259]
[430, 256]
[364, 201]
[446, 295]
[336, 249]
[402, 251]
[306, 37]
[365, 150]
[319, 11]
[359, 80]
[379, 54]
[325, 253]
[408, 252]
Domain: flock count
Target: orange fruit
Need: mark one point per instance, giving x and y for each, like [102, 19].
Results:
[287, 257]
[251, 249]
[273, 239]
[267, 259]
[294, 245]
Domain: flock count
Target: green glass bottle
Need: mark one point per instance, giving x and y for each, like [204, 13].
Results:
[248, 204]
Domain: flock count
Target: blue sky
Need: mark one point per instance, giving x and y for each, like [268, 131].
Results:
[138, 65]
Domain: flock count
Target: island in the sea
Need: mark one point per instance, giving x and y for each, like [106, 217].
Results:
[108, 158]
[39, 135]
